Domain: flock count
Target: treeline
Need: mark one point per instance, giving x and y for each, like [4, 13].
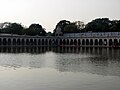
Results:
[64, 26]
[16, 28]
[103, 25]
[97, 25]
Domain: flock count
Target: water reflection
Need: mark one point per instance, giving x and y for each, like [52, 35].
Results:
[100, 61]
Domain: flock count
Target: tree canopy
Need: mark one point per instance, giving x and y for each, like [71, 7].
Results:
[63, 26]
[69, 27]
[103, 25]
[35, 29]
[16, 28]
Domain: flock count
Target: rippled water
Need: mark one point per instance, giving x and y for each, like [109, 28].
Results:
[59, 69]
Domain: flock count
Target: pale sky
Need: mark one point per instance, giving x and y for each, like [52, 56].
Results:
[49, 12]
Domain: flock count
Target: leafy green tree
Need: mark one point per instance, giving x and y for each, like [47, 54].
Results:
[99, 25]
[115, 26]
[35, 29]
[68, 27]
[71, 28]
[61, 25]
[11, 28]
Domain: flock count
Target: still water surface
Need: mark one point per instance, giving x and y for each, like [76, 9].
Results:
[59, 69]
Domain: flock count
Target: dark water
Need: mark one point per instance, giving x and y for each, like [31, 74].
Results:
[43, 68]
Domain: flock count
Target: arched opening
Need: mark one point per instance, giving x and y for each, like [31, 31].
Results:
[60, 41]
[46, 42]
[23, 42]
[14, 41]
[71, 42]
[9, 41]
[75, 42]
[0, 41]
[110, 42]
[96, 41]
[105, 42]
[119, 42]
[35, 42]
[115, 42]
[27, 41]
[64, 42]
[4, 41]
[83, 42]
[18, 41]
[79, 42]
[87, 42]
[43, 42]
[91, 41]
[31, 41]
[50, 42]
[53, 42]
[56, 43]
[39, 42]
[100, 42]
[67, 41]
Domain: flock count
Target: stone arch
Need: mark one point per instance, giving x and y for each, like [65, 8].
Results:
[83, 42]
[39, 41]
[100, 42]
[56, 42]
[91, 41]
[87, 41]
[105, 42]
[14, 41]
[46, 41]
[64, 42]
[43, 42]
[35, 42]
[53, 42]
[110, 42]
[23, 42]
[31, 41]
[119, 42]
[60, 41]
[4, 41]
[18, 41]
[0, 41]
[27, 41]
[71, 42]
[96, 42]
[115, 42]
[79, 42]
[50, 42]
[75, 42]
[67, 41]
[9, 41]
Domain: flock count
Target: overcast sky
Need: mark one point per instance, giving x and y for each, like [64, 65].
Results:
[49, 12]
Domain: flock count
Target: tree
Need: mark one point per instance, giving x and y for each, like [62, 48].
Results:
[35, 29]
[60, 26]
[65, 26]
[99, 25]
[15, 28]
[11, 28]
[115, 26]
[71, 28]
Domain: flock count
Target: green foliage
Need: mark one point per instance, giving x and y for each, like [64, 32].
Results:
[71, 28]
[99, 25]
[103, 25]
[15, 28]
[61, 25]
[35, 29]
[68, 27]
[11, 28]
